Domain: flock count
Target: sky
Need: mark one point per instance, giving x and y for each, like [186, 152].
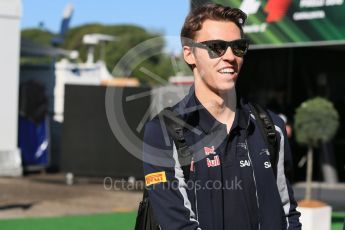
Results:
[161, 16]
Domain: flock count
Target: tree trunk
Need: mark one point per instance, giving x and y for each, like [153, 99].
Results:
[309, 173]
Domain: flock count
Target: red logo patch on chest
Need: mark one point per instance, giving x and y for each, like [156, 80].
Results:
[209, 150]
[213, 163]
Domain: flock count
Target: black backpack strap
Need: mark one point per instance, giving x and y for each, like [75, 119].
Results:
[175, 127]
[268, 131]
[145, 219]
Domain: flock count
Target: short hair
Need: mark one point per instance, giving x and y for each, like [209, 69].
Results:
[212, 11]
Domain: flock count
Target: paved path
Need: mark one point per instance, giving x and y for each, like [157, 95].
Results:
[48, 195]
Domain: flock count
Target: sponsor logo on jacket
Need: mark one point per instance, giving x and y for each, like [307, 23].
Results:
[155, 178]
[267, 164]
[209, 150]
[213, 163]
[192, 166]
[244, 163]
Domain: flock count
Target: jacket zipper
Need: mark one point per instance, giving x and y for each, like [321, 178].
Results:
[195, 194]
[256, 190]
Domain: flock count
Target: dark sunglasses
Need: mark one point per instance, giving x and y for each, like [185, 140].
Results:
[217, 48]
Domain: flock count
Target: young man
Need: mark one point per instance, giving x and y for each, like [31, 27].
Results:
[229, 183]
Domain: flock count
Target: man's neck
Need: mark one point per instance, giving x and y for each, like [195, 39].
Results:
[222, 106]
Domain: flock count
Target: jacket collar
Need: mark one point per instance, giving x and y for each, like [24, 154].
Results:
[196, 114]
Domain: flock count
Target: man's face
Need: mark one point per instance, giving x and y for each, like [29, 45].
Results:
[218, 74]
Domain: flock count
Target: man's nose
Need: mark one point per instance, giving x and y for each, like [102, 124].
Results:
[229, 55]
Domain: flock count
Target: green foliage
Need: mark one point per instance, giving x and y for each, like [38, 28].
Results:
[35, 61]
[38, 36]
[145, 49]
[127, 38]
[316, 120]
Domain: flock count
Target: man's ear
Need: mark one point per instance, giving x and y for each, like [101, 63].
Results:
[188, 55]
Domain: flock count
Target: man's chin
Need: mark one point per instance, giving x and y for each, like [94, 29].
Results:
[229, 86]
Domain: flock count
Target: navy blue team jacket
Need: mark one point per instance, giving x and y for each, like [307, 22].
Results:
[229, 184]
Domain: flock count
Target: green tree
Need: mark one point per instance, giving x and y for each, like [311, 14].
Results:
[316, 122]
[37, 35]
[128, 39]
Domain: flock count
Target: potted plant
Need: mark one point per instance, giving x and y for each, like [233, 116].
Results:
[316, 122]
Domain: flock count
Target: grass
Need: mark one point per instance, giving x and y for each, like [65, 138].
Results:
[338, 220]
[113, 221]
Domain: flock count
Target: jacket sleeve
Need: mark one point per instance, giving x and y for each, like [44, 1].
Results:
[165, 182]
[283, 183]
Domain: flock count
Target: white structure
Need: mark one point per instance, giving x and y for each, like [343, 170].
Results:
[318, 218]
[88, 73]
[75, 73]
[92, 40]
[10, 159]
